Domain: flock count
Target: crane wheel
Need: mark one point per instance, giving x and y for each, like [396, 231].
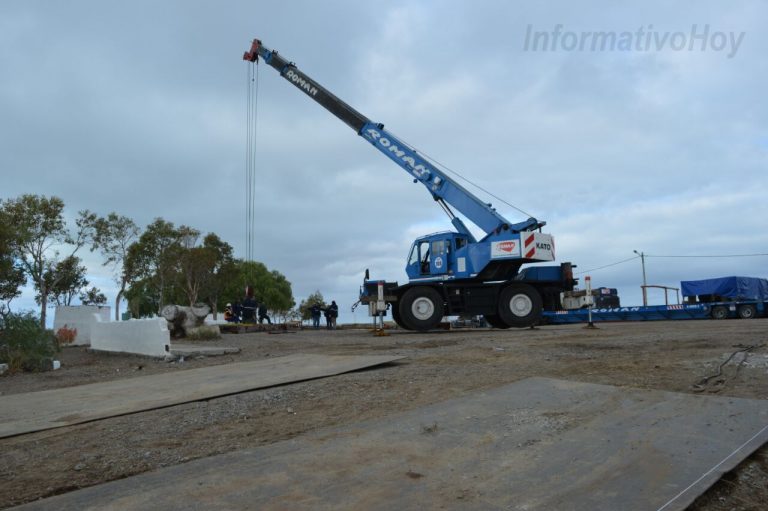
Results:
[520, 305]
[421, 308]
[495, 321]
[395, 310]
[719, 312]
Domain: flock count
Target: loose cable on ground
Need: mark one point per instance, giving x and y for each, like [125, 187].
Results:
[700, 385]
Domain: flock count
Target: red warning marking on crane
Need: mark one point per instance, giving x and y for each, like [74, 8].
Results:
[530, 253]
[529, 240]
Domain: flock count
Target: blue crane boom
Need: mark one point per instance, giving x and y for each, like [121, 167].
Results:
[443, 188]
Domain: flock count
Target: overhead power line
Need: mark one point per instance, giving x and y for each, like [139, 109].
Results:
[705, 256]
[608, 265]
[672, 256]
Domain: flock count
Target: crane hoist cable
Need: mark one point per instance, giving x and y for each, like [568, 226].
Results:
[463, 178]
[252, 97]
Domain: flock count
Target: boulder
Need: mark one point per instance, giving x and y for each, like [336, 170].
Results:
[185, 321]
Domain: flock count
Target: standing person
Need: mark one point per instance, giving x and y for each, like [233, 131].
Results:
[263, 313]
[334, 309]
[315, 313]
[237, 311]
[229, 314]
[327, 313]
[249, 306]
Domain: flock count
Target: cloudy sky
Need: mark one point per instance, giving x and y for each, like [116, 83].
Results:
[658, 144]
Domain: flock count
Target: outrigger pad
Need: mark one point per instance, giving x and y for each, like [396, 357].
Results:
[537, 444]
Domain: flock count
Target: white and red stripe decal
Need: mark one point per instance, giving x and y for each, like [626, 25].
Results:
[529, 244]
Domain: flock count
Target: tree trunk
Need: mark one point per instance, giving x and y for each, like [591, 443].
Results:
[43, 306]
[192, 291]
[117, 303]
[162, 292]
[214, 307]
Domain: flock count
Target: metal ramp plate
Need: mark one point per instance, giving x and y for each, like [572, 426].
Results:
[35, 411]
[537, 444]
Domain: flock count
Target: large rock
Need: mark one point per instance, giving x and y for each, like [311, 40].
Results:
[184, 321]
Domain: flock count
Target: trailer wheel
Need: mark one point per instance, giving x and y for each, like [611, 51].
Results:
[746, 311]
[495, 321]
[719, 312]
[520, 305]
[421, 308]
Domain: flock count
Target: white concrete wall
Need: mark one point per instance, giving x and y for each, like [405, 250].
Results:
[80, 317]
[140, 336]
[218, 321]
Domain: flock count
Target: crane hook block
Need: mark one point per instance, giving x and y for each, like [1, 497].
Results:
[253, 55]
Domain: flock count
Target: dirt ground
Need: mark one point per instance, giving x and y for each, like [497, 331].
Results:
[672, 356]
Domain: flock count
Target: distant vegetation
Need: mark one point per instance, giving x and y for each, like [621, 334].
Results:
[161, 264]
[24, 344]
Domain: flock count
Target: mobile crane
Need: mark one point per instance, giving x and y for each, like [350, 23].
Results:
[450, 273]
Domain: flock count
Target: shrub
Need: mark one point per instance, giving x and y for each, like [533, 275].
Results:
[66, 335]
[204, 333]
[24, 344]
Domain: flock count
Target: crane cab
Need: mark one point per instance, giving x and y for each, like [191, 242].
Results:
[439, 256]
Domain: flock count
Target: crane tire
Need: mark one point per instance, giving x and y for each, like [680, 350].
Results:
[495, 321]
[520, 305]
[396, 316]
[421, 308]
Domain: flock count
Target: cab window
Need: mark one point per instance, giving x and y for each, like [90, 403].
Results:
[424, 256]
[414, 256]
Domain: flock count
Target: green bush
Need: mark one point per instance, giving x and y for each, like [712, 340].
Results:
[24, 344]
[204, 333]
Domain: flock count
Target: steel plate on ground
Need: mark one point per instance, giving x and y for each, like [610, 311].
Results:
[537, 444]
[35, 411]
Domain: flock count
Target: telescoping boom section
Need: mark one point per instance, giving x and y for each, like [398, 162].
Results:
[451, 272]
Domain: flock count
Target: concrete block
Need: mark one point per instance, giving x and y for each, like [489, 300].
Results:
[80, 317]
[218, 321]
[3, 368]
[148, 337]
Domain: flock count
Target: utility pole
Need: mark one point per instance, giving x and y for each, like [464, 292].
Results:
[645, 282]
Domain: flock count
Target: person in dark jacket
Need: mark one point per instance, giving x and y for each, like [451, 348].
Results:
[327, 314]
[263, 314]
[315, 311]
[334, 310]
[237, 311]
[249, 309]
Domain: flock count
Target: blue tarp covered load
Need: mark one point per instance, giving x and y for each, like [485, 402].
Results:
[737, 288]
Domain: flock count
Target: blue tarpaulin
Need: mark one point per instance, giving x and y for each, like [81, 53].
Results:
[737, 288]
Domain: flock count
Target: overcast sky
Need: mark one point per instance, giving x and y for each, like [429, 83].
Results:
[659, 145]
